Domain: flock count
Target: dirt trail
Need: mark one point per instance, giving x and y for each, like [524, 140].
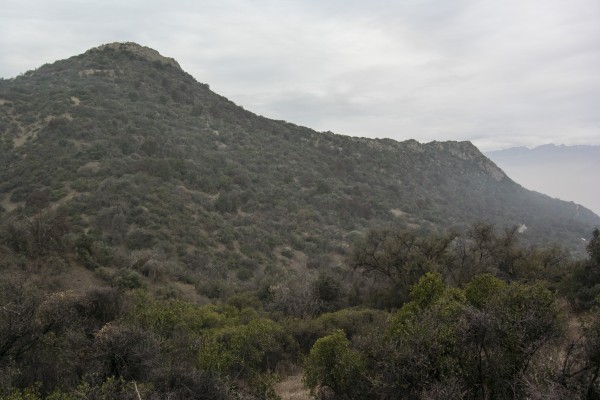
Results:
[292, 388]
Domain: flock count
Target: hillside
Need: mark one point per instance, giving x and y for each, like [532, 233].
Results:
[564, 172]
[143, 159]
[158, 241]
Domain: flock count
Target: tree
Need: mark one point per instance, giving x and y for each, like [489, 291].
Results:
[582, 285]
[507, 326]
[423, 344]
[401, 257]
[593, 248]
[332, 364]
[39, 234]
[244, 351]
[328, 291]
[125, 352]
[493, 252]
[476, 343]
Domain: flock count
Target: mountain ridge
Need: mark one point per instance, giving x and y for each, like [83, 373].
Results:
[142, 51]
[142, 157]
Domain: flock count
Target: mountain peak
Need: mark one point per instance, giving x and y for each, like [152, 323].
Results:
[139, 50]
[120, 135]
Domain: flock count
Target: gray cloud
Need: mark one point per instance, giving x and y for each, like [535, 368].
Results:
[497, 73]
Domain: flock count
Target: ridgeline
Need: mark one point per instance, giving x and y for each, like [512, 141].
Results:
[139, 155]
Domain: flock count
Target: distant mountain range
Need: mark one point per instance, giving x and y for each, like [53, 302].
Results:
[565, 172]
[143, 159]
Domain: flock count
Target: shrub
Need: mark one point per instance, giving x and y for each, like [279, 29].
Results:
[332, 363]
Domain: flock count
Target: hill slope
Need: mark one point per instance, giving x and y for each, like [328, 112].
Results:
[565, 172]
[143, 158]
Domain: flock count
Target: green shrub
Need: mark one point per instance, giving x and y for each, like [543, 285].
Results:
[332, 363]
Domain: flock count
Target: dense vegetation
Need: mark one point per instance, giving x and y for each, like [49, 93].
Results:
[396, 321]
[159, 242]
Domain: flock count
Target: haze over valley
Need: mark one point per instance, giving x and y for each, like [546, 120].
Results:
[564, 172]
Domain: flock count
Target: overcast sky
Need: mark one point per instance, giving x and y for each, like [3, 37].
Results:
[499, 73]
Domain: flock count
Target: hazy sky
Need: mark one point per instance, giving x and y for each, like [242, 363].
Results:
[498, 73]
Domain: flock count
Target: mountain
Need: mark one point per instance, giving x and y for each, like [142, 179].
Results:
[142, 162]
[565, 172]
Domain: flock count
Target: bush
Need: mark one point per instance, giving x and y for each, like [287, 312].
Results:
[140, 239]
[245, 350]
[333, 364]
[127, 279]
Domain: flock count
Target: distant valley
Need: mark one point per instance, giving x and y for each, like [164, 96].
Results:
[566, 172]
